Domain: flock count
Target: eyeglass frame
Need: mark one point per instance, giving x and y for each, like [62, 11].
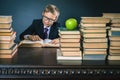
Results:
[49, 19]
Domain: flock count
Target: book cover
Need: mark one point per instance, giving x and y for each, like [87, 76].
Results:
[114, 47]
[95, 35]
[94, 57]
[7, 41]
[6, 30]
[95, 28]
[61, 57]
[7, 37]
[114, 38]
[95, 45]
[93, 31]
[6, 33]
[9, 55]
[5, 19]
[70, 40]
[69, 62]
[93, 52]
[70, 44]
[65, 31]
[71, 53]
[116, 57]
[115, 25]
[5, 25]
[115, 28]
[6, 45]
[9, 51]
[95, 40]
[111, 15]
[69, 49]
[95, 20]
[70, 36]
[93, 25]
[114, 33]
[114, 52]
[115, 20]
[115, 43]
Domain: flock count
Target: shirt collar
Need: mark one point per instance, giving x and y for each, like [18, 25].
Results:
[47, 27]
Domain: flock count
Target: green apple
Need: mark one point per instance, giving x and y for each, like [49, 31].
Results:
[71, 24]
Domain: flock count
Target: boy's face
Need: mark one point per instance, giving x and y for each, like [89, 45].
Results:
[49, 18]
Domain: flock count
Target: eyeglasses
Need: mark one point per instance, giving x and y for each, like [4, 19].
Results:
[49, 19]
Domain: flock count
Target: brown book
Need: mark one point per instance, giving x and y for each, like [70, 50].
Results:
[70, 36]
[7, 37]
[95, 45]
[113, 57]
[94, 49]
[95, 40]
[69, 40]
[7, 41]
[6, 45]
[116, 25]
[115, 20]
[5, 19]
[115, 51]
[6, 33]
[95, 20]
[70, 44]
[69, 32]
[5, 25]
[93, 30]
[9, 55]
[76, 53]
[115, 43]
[97, 35]
[6, 30]
[114, 38]
[93, 25]
[111, 15]
[114, 47]
[94, 52]
[69, 57]
[115, 28]
[70, 49]
[8, 51]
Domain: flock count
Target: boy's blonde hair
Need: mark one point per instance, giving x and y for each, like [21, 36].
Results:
[52, 9]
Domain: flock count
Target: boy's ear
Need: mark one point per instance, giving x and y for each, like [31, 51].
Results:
[42, 13]
[56, 19]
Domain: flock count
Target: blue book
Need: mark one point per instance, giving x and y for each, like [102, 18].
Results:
[114, 33]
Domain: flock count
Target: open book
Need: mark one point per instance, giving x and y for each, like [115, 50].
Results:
[41, 43]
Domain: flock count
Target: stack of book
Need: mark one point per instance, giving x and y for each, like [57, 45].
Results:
[114, 36]
[69, 45]
[94, 37]
[7, 36]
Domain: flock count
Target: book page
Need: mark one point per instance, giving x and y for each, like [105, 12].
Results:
[43, 43]
[47, 43]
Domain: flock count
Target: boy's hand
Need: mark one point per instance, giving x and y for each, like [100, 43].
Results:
[55, 41]
[34, 38]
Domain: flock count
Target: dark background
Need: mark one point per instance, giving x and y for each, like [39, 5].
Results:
[24, 11]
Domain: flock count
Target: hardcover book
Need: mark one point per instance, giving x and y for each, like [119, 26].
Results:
[5, 25]
[95, 20]
[5, 19]
[61, 57]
